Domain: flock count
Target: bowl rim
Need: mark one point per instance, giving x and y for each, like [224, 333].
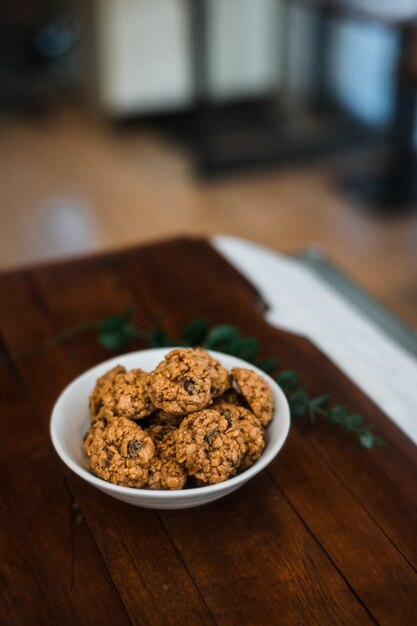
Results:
[155, 494]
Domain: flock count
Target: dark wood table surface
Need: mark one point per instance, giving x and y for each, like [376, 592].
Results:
[327, 534]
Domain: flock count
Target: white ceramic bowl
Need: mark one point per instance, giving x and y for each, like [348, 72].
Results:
[70, 420]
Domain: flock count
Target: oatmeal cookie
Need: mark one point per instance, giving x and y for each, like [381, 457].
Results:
[181, 383]
[103, 389]
[126, 394]
[164, 437]
[164, 470]
[210, 445]
[252, 431]
[256, 392]
[119, 452]
[220, 377]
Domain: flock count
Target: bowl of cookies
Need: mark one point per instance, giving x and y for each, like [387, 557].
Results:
[170, 428]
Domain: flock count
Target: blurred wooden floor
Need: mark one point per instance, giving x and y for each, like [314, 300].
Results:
[70, 186]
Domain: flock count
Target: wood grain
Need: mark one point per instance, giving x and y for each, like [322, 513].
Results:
[327, 535]
[51, 571]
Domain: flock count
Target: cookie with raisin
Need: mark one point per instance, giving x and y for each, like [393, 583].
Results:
[251, 429]
[210, 446]
[122, 394]
[256, 392]
[164, 470]
[181, 383]
[119, 452]
[220, 377]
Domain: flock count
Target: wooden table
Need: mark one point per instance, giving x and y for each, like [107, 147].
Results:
[326, 535]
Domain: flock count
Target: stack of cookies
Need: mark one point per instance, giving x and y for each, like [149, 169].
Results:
[188, 423]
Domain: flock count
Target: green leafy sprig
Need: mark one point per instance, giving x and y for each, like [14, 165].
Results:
[117, 331]
[302, 404]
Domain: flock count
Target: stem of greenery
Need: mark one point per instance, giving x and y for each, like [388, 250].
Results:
[52, 342]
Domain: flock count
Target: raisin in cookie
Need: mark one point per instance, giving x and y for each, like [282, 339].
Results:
[210, 445]
[252, 431]
[164, 470]
[119, 452]
[125, 394]
[256, 392]
[181, 383]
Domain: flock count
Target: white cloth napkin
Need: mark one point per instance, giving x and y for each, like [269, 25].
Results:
[302, 302]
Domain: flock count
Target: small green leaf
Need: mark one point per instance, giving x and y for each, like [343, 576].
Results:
[353, 421]
[111, 323]
[288, 380]
[159, 339]
[116, 331]
[230, 347]
[268, 365]
[194, 333]
[379, 442]
[246, 348]
[111, 340]
[336, 415]
[367, 439]
[116, 338]
[298, 408]
[299, 403]
[115, 322]
[220, 336]
[319, 402]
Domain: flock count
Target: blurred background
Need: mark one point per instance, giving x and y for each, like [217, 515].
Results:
[287, 122]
